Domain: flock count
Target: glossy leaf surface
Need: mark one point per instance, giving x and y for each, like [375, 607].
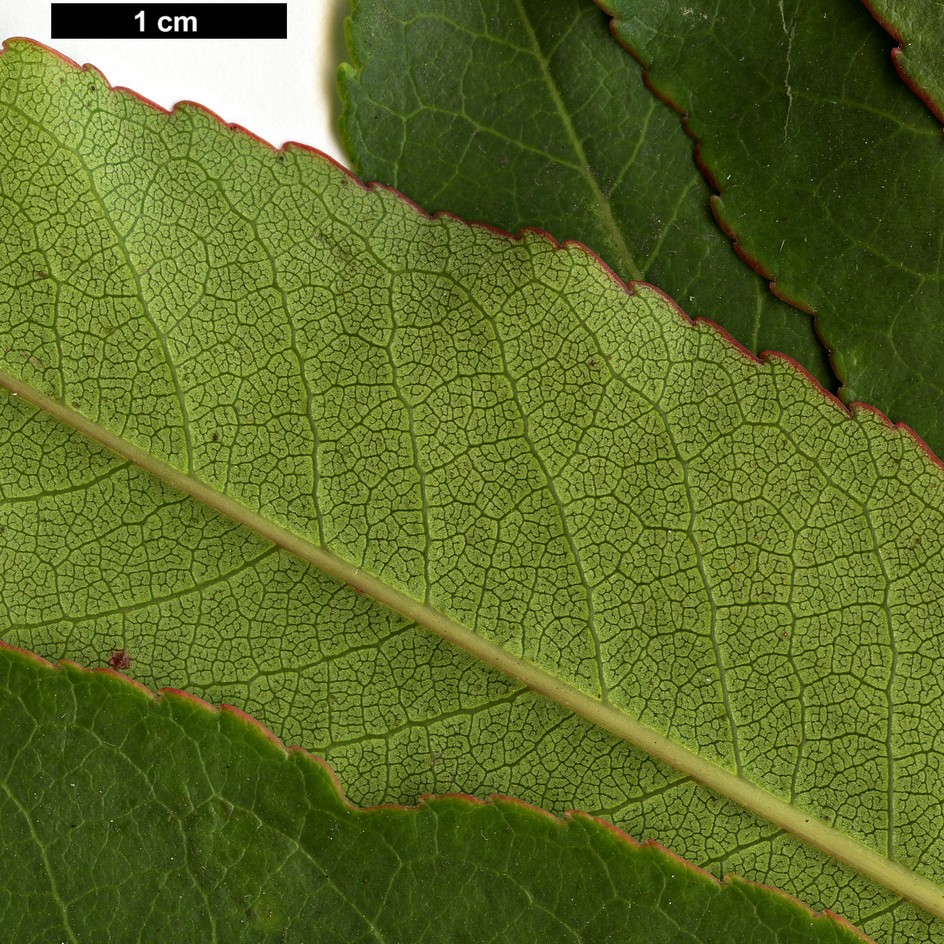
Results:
[830, 172]
[167, 817]
[526, 114]
[573, 483]
[918, 27]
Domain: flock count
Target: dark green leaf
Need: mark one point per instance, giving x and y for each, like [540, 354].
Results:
[125, 818]
[525, 113]
[831, 175]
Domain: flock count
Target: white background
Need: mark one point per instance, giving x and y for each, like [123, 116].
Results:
[279, 89]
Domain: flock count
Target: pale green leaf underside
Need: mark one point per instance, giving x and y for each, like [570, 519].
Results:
[494, 428]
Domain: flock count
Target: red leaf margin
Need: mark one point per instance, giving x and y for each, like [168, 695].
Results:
[936, 108]
[849, 411]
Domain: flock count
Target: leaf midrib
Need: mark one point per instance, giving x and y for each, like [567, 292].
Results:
[838, 845]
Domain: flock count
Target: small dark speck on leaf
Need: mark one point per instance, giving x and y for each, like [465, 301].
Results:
[39, 274]
[216, 437]
[120, 660]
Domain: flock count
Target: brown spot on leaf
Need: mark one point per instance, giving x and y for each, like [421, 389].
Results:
[120, 660]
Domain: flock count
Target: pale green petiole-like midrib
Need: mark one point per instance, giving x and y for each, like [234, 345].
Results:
[897, 878]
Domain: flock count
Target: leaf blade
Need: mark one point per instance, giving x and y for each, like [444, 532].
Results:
[700, 360]
[831, 184]
[918, 28]
[424, 717]
[515, 96]
[598, 712]
[210, 823]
